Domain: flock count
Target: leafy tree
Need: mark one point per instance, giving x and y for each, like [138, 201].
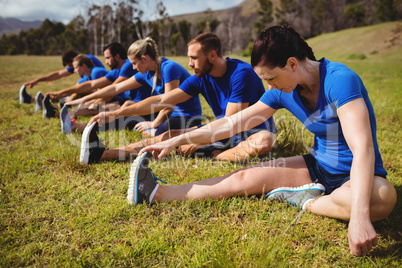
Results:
[386, 10]
[75, 36]
[174, 41]
[264, 15]
[184, 28]
[162, 29]
[287, 11]
[208, 24]
[357, 13]
[124, 17]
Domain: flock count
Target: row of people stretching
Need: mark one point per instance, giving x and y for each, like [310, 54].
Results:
[343, 177]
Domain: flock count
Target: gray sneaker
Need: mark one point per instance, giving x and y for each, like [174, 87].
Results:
[38, 101]
[296, 196]
[142, 181]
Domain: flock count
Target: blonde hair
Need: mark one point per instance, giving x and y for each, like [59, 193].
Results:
[148, 47]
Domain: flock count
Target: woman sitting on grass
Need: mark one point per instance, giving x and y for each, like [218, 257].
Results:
[345, 162]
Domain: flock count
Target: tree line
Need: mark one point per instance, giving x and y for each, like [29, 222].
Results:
[124, 22]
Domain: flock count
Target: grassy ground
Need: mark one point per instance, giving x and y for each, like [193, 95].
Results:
[56, 212]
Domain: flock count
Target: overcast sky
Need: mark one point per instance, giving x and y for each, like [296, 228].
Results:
[65, 10]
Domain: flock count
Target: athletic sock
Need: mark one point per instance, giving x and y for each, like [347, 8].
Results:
[151, 196]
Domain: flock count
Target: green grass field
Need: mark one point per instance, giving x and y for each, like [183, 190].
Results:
[55, 212]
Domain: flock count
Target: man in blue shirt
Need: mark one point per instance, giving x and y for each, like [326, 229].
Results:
[85, 68]
[67, 58]
[121, 69]
[228, 86]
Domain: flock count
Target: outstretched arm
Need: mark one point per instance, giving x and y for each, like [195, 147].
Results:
[109, 91]
[149, 105]
[48, 77]
[355, 124]
[216, 130]
[82, 88]
[163, 114]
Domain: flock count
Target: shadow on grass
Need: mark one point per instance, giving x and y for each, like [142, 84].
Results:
[390, 229]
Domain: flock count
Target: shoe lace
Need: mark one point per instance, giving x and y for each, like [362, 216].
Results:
[156, 178]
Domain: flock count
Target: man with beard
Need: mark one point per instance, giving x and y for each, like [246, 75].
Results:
[228, 85]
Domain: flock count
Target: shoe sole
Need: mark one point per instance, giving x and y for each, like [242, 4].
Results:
[44, 112]
[311, 186]
[38, 106]
[132, 195]
[63, 113]
[84, 154]
[21, 94]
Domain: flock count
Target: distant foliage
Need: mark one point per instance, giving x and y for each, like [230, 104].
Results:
[124, 22]
[264, 15]
[356, 12]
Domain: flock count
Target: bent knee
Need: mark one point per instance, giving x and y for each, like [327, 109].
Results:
[385, 199]
[262, 142]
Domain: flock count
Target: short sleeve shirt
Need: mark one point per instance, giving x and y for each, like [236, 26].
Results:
[95, 60]
[239, 84]
[338, 86]
[170, 71]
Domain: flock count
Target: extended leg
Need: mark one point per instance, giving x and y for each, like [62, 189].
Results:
[257, 179]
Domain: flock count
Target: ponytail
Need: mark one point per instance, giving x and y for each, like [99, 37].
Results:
[148, 47]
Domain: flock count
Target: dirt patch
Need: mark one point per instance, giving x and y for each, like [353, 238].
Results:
[393, 38]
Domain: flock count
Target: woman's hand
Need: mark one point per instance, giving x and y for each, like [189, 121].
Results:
[30, 84]
[362, 236]
[161, 149]
[142, 126]
[75, 102]
[103, 118]
[54, 95]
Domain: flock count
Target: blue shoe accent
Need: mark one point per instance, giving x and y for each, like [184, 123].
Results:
[142, 181]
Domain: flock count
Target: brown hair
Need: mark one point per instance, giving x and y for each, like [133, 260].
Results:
[84, 59]
[276, 44]
[68, 57]
[209, 41]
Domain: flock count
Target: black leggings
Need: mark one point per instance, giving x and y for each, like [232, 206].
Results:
[177, 122]
[127, 122]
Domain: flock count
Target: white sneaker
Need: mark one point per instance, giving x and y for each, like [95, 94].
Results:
[91, 147]
[296, 196]
[38, 101]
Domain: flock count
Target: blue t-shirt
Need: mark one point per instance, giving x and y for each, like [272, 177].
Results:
[137, 94]
[96, 62]
[338, 86]
[96, 72]
[170, 71]
[239, 84]
[127, 71]
[112, 76]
